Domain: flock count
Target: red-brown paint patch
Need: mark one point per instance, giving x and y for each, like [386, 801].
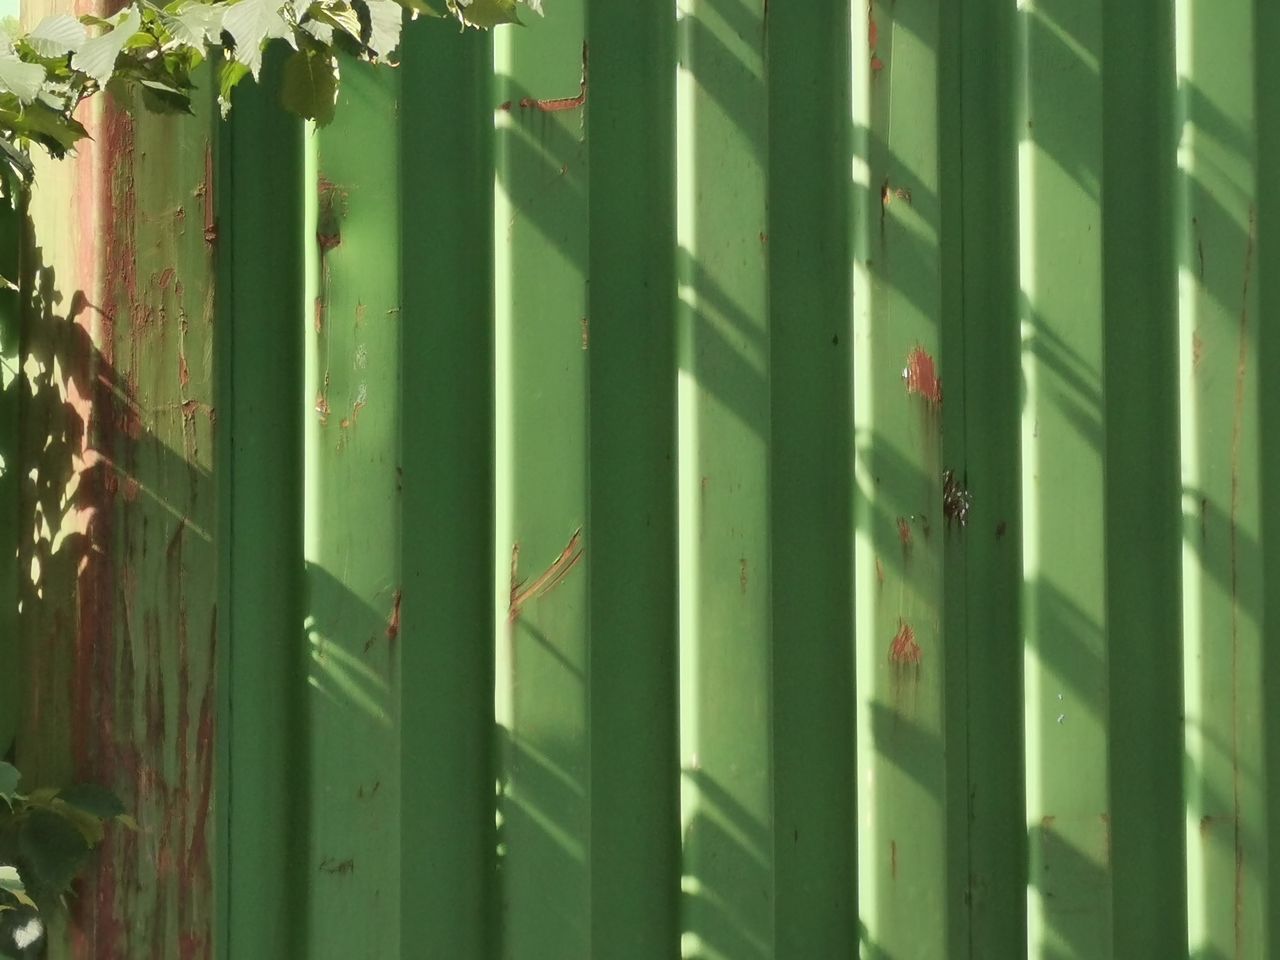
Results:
[904, 649]
[876, 64]
[904, 533]
[922, 376]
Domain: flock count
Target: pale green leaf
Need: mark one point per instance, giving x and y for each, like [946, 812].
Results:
[11, 883]
[9, 775]
[488, 13]
[385, 18]
[230, 74]
[310, 87]
[58, 35]
[97, 57]
[197, 24]
[23, 80]
[251, 23]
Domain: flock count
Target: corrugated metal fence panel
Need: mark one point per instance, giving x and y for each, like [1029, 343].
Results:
[741, 481]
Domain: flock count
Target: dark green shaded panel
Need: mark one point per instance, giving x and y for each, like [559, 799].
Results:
[447, 856]
[724, 433]
[352, 532]
[630, 342]
[1142, 492]
[10, 385]
[900, 383]
[540, 572]
[263, 799]
[990, 795]
[811, 431]
[1267, 33]
[1218, 339]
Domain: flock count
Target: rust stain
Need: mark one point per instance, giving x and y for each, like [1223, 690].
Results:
[956, 500]
[505, 105]
[562, 103]
[879, 573]
[333, 207]
[393, 620]
[904, 649]
[322, 401]
[904, 534]
[131, 488]
[922, 376]
[1237, 429]
[184, 373]
[876, 64]
[545, 581]
[206, 192]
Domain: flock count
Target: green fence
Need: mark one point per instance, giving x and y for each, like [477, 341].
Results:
[754, 480]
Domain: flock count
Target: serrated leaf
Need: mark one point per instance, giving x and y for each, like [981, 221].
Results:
[535, 6]
[58, 133]
[53, 849]
[11, 883]
[321, 31]
[385, 20]
[488, 13]
[90, 797]
[58, 35]
[97, 57]
[23, 80]
[251, 23]
[196, 24]
[337, 15]
[231, 73]
[429, 8]
[9, 775]
[310, 85]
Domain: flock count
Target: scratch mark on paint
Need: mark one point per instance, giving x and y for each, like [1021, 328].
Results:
[562, 103]
[393, 621]
[545, 581]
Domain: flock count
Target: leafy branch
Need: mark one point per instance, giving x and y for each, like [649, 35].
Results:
[144, 57]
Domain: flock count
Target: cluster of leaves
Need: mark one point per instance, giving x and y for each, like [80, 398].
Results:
[45, 838]
[145, 56]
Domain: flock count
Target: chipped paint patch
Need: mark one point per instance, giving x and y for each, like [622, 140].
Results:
[921, 376]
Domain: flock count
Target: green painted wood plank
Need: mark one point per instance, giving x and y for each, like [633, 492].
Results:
[1063, 534]
[811, 431]
[901, 531]
[541, 582]
[447, 856]
[352, 533]
[1221, 555]
[724, 451]
[634, 841]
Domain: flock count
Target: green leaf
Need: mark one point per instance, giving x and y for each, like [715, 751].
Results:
[232, 72]
[127, 821]
[310, 86]
[196, 24]
[488, 13]
[9, 775]
[91, 798]
[53, 849]
[339, 16]
[23, 80]
[97, 57]
[251, 23]
[11, 883]
[58, 35]
[385, 19]
[55, 131]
